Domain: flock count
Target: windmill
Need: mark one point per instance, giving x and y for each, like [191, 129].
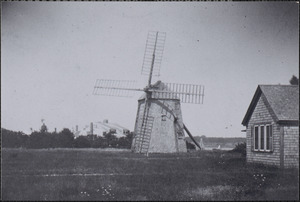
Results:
[159, 127]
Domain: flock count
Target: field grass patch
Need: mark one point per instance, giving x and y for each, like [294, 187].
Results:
[95, 174]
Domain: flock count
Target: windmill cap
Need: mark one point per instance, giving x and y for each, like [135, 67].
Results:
[159, 85]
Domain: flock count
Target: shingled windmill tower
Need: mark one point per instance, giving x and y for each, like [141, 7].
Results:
[159, 127]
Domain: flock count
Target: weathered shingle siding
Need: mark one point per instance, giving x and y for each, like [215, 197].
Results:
[262, 114]
[291, 146]
[164, 137]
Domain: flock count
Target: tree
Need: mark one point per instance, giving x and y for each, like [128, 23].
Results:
[12, 139]
[240, 148]
[82, 142]
[39, 140]
[65, 138]
[98, 142]
[111, 139]
[294, 80]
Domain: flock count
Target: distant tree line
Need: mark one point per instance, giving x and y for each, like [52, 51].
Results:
[63, 139]
[216, 141]
[223, 140]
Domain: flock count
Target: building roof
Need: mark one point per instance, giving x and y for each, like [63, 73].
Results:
[283, 100]
[100, 127]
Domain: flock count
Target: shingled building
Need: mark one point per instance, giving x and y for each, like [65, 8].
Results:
[272, 126]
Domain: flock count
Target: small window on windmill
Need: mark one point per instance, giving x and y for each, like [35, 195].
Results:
[180, 135]
[163, 117]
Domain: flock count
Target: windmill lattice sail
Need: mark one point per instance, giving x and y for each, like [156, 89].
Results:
[187, 93]
[153, 53]
[119, 88]
[159, 125]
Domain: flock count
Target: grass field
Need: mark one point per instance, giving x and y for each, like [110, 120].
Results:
[95, 174]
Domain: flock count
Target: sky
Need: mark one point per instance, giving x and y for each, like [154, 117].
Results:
[53, 52]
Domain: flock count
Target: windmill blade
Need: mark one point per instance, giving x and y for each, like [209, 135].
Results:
[120, 88]
[187, 93]
[153, 53]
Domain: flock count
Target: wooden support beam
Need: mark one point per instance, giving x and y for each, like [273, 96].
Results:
[188, 132]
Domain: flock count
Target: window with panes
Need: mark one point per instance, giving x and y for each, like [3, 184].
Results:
[263, 137]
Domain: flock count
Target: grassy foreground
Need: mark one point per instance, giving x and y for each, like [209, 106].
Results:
[95, 174]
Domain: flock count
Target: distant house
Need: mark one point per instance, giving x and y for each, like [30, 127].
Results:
[272, 126]
[98, 128]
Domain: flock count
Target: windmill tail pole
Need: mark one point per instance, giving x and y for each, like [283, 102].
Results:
[188, 132]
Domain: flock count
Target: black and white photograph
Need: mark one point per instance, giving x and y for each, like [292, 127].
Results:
[149, 100]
